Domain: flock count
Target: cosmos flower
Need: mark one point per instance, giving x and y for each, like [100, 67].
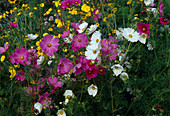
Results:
[124, 76]
[37, 108]
[31, 36]
[91, 29]
[82, 27]
[20, 56]
[92, 90]
[20, 76]
[76, 2]
[68, 93]
[40, 60]
[3, 49]
[130, 34]
[117, 69]
[143, 28]
[148, 2]
[91, 72]
[75, 25]
[53, 82]
[96, 14]
[92, 52]
[66, 4]
[61, 113]
[13, 25]
[160, 8]
[45, 100]
[164, 20]
[49, 45]
[142, 38]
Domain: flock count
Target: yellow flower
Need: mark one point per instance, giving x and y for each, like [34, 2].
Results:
[12, 1]
[115, 10]
[2, 58]
[37, 35]
[42, 5]
[104, 20]
[85, 8]
[38, 43]
[97, 24]
[32, 82]
[35, 8]
[0, 16]
[30, 14]
[64, 50]
[57, 3]
[45, 34]
[73, 12]
[59, 35]
[88, 14]
[24, 6]
[18, 66]
[70, 72]
[19, 14]
[129, 2]
[12, 71]
[50, 29]
[11, 11]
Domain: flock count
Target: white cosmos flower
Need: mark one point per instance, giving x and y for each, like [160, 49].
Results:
[82, 27]
[38, 107]
[61, 113]
[92, 90]
[68, 93]
[131, 35]
[153, 10]
[92, 52]
[50, 61]
[127, 64]
[31, 36]
[119, 33]
[142, 38]
[91, 29]
[148, 2]
[117, 69]
[96, 38]
[40, 60]
[69, 38]
[124, 76]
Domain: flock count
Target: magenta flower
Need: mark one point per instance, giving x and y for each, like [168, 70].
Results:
[65, 34]
[66, 4]
[96, 14]
[91, 73]
[14, 25]
[41, 83]
[164, 20]
[79, 41]
[45, 101]
[20, 56]
[76, 2]
[101, 69]
[20, 76]
[53, 82]
[64, 66]
[3, 49]
[143, 28]
[49, 45]
[104, 44]
[160, 8]
[32, 90]
[75, 25]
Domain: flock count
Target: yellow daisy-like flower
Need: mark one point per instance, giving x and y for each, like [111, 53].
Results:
[42, 5]
[12, 1]
[85, 8]
[50, 29]
[2, 58]
[12, 71]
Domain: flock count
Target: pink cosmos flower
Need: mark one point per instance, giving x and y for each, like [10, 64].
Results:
[45, 101]
[96, 14]
[20, 56]
[53, 82]
[100, 69]
[143, 28]
[20, 76]
[65, 34]
[91, 73]
[160, 8]
[64, 66]
[49, 45]
[66, 3]
[79, 41]
[32, 90]
[164, 20]
[41, 83]
[104, 44]
[13, 25]
[3, 49]
[76, 2]
[75, 25]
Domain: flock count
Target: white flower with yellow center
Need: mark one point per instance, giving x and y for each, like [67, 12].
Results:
[117, 69]
[68, 93]
[31, 36]
[124, 76]
[69, 38]
[82, 27]
[40, 60]
[61, 113]
[38, 107]
[119, 33]
[92, 90]
[142, 38]
[96, 38]
[91, 29]
[131, 35]
[92, 52]
[148, 2]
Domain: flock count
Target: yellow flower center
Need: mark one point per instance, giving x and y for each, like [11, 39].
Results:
[144, 29]
[116, 67]
[76, 2]
[21, 57]
[94, 52]
[68, 4]
[93, 88]
[130, 35]
[143, 36]
[61, 112]
[97, 40]
[79, 40]
[53, 83]
[61, 64]
[49, 45]
[101, 70]
[89, 72]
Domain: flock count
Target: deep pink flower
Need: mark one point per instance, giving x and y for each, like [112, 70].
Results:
[143, 28]
[3, 49]
[14, 25]
[79, 41]
[20, 56]
[76, 2]
[91, 73]
[66, 4]
[75, 25]
[45, 101]
[32, 90]
[49, 45]
[53, 82]
[104, 44]
[96, 14]
[100, 69]
[164, 20]
[41, 83]
[65, 34]
[160, 8]
[20, 76]
[64, 66]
